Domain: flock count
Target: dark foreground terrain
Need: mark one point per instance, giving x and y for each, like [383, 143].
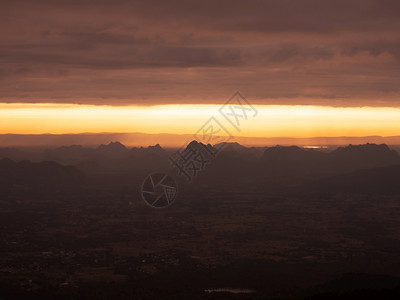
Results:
[251, 239]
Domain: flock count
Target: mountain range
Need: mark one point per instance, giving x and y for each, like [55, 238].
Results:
[175, 140]
[45, 174]
[342, 168]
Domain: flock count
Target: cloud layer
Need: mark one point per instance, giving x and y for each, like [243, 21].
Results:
[342, 53]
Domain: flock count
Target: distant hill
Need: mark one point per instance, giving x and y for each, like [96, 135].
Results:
[115, 158]
[292, 160]
[236, 147]
[364, 156]
[77, 154]
[344, 159]
[382, 180]
[112, 148]
[150, 152]
[44, 174]
[230, 146]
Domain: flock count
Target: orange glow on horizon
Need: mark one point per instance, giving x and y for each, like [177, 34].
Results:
[271, 121]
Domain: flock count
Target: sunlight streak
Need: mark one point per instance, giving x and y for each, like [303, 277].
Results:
[271, 121]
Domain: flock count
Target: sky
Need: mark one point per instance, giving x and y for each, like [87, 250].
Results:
[330, 54]
[270, 120]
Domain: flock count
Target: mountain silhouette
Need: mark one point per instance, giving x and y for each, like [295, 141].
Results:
[295, 160]
[292, 160]
[382, 180]
[68, 154]
[113, 146]
[44, 174]
[236, 147]
[150, 152]
[115, 162]
[364, 156]
[230, 146]
[279, 165]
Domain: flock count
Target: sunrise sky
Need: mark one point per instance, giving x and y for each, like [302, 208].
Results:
[310, 67]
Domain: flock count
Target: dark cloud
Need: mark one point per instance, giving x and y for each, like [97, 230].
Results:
[147, 52]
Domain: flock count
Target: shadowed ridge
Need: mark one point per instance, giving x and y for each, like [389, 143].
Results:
[230, 146]
[364, 156]
[6, 162]
[45, 174]
[150, 151]
[382, 180]
[290, 154]
[366, 149]
[113, 146]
